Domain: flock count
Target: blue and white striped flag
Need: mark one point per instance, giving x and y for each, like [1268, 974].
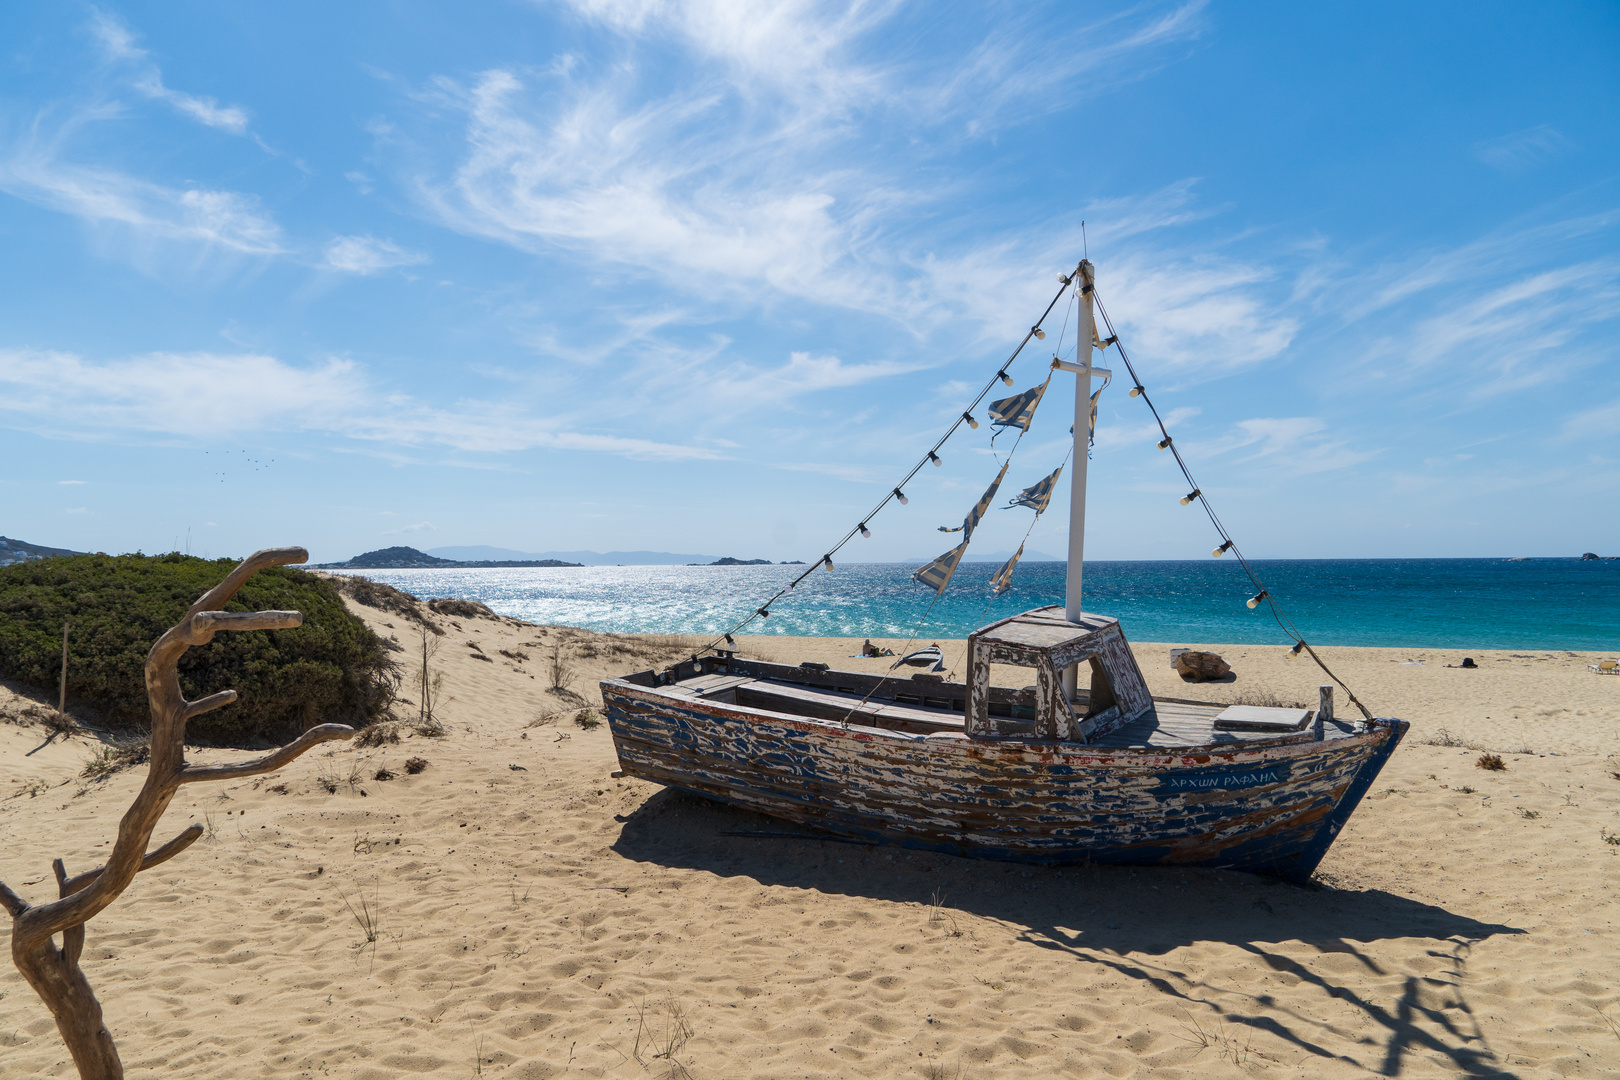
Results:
[1037, 496]
[937, 574]
[970, 522]
[1001, 580]
[1017, 411]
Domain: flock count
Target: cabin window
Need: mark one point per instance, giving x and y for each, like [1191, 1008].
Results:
[1101, 697]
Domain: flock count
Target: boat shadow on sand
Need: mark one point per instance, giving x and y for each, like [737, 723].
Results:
[1130, 920]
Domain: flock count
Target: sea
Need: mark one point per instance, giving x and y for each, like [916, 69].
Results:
[1414, 603]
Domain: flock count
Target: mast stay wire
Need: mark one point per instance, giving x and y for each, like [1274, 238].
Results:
[1228, 544]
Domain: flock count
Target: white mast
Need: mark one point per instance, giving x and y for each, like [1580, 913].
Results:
[1087, 331]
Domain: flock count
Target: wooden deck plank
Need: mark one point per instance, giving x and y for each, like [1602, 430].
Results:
[1171, 723]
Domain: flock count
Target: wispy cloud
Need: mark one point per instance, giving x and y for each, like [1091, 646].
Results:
[1522, 149]
[1598, 422]
[218, 219]
[367, 255]
[420, 526]
[118, 42]
[208, 396]
[1290, 445]
[739, 181]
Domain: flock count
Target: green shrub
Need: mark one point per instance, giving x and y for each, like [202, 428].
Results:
[332, 669]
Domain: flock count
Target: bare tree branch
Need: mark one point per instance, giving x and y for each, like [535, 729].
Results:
[71, 885]
[11, 901]
[270, 762]
[208, 704]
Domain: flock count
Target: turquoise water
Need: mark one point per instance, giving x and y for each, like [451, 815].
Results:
[1419, 603]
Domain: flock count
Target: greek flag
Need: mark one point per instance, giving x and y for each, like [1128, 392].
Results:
[937, 574]
[1017, 411]
[972, 520]
[1094, 397]
[1036, 497]
[1001, 580]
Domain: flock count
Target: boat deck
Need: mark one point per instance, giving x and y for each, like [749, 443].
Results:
[899, 703]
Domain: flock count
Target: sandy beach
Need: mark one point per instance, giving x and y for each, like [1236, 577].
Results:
[531, 916]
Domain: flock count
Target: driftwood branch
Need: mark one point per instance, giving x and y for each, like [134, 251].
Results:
[270, 762]
[70, 885]
[209, 703]
[54, 972]
[13, 903]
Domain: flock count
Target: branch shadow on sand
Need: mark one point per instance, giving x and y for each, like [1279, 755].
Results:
[1131, 920]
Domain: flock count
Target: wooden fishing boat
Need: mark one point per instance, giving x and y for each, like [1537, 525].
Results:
[1056, 772]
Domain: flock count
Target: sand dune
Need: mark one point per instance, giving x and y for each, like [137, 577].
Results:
[534, 917]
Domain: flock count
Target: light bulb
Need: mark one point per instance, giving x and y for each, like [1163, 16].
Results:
[1039, 333]
[972, 423]
[901, 496]
[731, 641]
[865, 531]
[1164, 443]
[1063, 279]
[762, 613]
[1222, 550]
[1136, 391]
[826, 560]
[1254, 601]
[1190, 496]
[935, 459]
[1004, 377]
[1107, 341]
[1298, 645]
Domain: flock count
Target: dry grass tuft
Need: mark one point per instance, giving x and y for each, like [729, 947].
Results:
[1491, 762]
[57, 723]
[587, 719]
[384, 773]
[460, 609]
[558, 671]
[330, 781]
[383, 733]
[116, 757]
[415, 765]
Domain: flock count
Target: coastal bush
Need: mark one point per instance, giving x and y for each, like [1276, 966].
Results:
[332, 669]
[460, 609]
[374, 594]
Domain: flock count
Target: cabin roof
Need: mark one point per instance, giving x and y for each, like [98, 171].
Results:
[1042, 628]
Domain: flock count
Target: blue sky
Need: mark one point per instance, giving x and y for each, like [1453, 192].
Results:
[711, 276]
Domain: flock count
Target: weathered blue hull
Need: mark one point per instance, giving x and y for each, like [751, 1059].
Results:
[1270, 808]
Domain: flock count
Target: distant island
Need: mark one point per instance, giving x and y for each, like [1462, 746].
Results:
[16, 551]
[727, 560]
[408, 558]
